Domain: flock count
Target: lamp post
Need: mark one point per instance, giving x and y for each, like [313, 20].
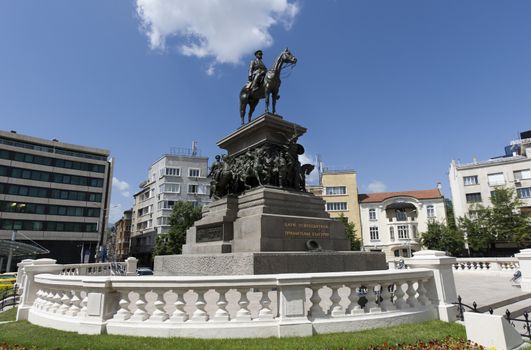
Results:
[10, 255]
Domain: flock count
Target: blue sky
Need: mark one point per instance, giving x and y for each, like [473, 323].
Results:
[393, 89]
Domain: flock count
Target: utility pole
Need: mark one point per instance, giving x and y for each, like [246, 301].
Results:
[10, 256]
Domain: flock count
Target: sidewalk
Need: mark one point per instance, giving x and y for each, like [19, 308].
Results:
[484, 288]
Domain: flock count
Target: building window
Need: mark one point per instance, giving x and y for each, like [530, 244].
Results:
[470, 180]
[192, 188]
[336, 190]
[523, 192]
[193, 172]
[401, 215]
[336, 206]
[374, 233]
[170, 188]
[496, 179]
[473, 197]
[392, 233]
[522, 174]
[403, 232]
[431, 211]
[173, 172]
[372, 214]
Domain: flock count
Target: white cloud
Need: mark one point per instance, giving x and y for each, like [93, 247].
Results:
[376, 186]
[313, 178]
[121, 186]
[221, 29]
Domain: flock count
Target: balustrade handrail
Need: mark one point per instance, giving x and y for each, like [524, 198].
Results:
[147, 282]
[487, 259]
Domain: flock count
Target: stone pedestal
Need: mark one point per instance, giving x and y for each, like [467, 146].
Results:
[263, 263]
[265, 219]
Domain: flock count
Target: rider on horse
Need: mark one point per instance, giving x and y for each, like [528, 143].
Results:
[257, 70]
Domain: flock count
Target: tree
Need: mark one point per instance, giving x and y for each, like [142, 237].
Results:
[183, 216]
[443, 237]
[350, 231]
[503, 221]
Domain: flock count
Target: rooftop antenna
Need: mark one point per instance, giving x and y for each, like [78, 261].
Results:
[194, 148]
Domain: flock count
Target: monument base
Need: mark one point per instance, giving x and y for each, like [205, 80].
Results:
[261, 263]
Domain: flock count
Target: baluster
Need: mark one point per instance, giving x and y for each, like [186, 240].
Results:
[56, 298]
[221, 314]
[372, 299]
[200, 315]
[159, 315]
[316, 311]
[423, 298]
[38, 300]
[243, 313]
[140, 313]
[354, 307]
[399, 295]
[84, 302]
[48, 304]
[265, 313]
[179, 315]
[124, 313]
[386, 304]
[65, 304]
[74, 305]
[411, 300]
[336, 309]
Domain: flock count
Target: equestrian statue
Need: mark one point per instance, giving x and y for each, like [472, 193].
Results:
[263, 83]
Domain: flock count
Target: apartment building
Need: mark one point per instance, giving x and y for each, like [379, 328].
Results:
[181, 176]
[122, 231]
[339, 189]
[54, 194]
[473, 183]
[393, 221]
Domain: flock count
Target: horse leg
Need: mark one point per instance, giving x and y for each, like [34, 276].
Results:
[267, 92]
[243, 106]
[275, 98]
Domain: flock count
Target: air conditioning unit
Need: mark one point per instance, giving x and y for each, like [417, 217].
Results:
[517, 183]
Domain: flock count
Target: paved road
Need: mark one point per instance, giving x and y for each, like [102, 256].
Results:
[485, 287]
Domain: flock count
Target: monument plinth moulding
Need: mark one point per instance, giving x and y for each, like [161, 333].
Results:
[264, 221]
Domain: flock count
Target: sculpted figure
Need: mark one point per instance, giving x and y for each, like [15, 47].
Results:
[257, 70]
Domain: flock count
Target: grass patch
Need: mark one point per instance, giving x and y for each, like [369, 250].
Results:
[28, 335]
[8, 315]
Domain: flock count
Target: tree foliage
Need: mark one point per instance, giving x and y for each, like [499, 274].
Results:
[350, 231]
[503, 221]
[440, 236]
[183, 216]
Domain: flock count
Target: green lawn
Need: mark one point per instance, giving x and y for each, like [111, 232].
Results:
[28, 335]
[8, 315]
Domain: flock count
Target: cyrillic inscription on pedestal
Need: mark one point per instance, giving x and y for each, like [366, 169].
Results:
[209, 234]
[307, 230]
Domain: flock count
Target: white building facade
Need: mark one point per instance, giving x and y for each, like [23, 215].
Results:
[393, 221]
[472, 184]
[172, 178]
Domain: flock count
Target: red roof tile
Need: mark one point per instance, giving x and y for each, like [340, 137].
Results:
[380, 197]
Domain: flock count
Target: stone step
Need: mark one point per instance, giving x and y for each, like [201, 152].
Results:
[516, 309]
[505, 303]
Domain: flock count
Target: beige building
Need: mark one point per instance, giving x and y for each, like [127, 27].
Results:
[392, 222]
[339, 189]
[122, 230]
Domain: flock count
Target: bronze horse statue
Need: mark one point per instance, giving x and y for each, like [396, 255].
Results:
[269, 87]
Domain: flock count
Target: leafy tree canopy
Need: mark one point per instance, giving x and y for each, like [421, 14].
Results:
[350, 231]
[183, 216]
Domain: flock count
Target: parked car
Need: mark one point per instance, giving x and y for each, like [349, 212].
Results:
[144, 271]
[8, 280]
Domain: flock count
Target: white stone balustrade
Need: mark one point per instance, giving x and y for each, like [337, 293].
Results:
[233, 306]
[499, 265]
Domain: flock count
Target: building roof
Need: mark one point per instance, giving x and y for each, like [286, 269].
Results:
[382, 196]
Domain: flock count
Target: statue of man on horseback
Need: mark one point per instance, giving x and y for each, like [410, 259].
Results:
[263, 83]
